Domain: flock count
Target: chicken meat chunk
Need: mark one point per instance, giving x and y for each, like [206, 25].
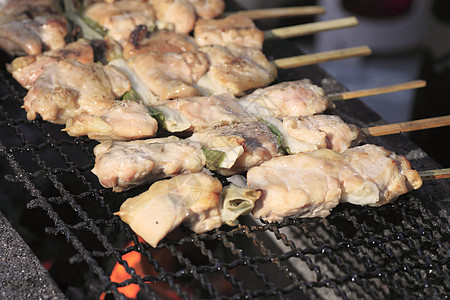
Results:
[208, 9]
[190, 199]
[27, 69]
[234, 29]
[390, 173]
[170, 75]
[125, 120]
[291, 98]
[141, 41]
[121, 18]
[30, 27]
[312, 184]
[235, 69]
[123, 165]
[180, 13]
[324, 131]
[69, 88]
[209, 111]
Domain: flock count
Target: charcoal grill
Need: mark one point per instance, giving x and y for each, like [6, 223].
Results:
[66, 217]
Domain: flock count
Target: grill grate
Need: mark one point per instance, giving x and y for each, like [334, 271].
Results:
[396, 251]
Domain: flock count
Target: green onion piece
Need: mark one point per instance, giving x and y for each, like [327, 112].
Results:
[157, 115]
[69, 6]
[281, 146]
[89, 32]
[95, 26]
[131, 95]
[148, 98]
[237, 201]
[174, 121]
[213, 158]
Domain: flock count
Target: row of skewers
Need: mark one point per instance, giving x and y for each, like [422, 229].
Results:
[210, 94]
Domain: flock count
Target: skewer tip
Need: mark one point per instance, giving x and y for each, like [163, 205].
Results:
[435, 174]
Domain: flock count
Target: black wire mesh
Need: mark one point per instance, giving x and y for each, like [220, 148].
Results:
[395, 251]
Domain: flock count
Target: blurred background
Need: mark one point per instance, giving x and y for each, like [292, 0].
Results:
[410, 39]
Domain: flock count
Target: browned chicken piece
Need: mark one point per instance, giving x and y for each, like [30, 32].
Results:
[125, 120]
[180, 13]
[210, 111]
[312, 184]
[191, 199]
[293, 98]
[390, 173]
[170, 75]
[121, 18]
[69, 88]
[208, 9]
[27, 69]
[234, 29]
[235, 69]
[123, 165]
[159, 41]
[254, 143]
[31, 26]
[323, 131]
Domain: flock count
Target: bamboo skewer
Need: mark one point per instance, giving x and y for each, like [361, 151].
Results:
[280, 12]
[435, 174]
[377, 91]
[407, 126]
[310, 28]
[309, 59]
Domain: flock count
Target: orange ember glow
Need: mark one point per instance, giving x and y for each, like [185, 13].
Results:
[119, 274]
[167, 261]
[142, 268]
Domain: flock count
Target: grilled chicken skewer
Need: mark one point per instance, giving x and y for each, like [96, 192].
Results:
[179, 15]
[245, 145]
[194, 113]
[232, 65]
[312, 184]
[302, 185]
[239, 29]
[288, 99]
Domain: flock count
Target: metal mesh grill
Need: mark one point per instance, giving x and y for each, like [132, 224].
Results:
[399, 250]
